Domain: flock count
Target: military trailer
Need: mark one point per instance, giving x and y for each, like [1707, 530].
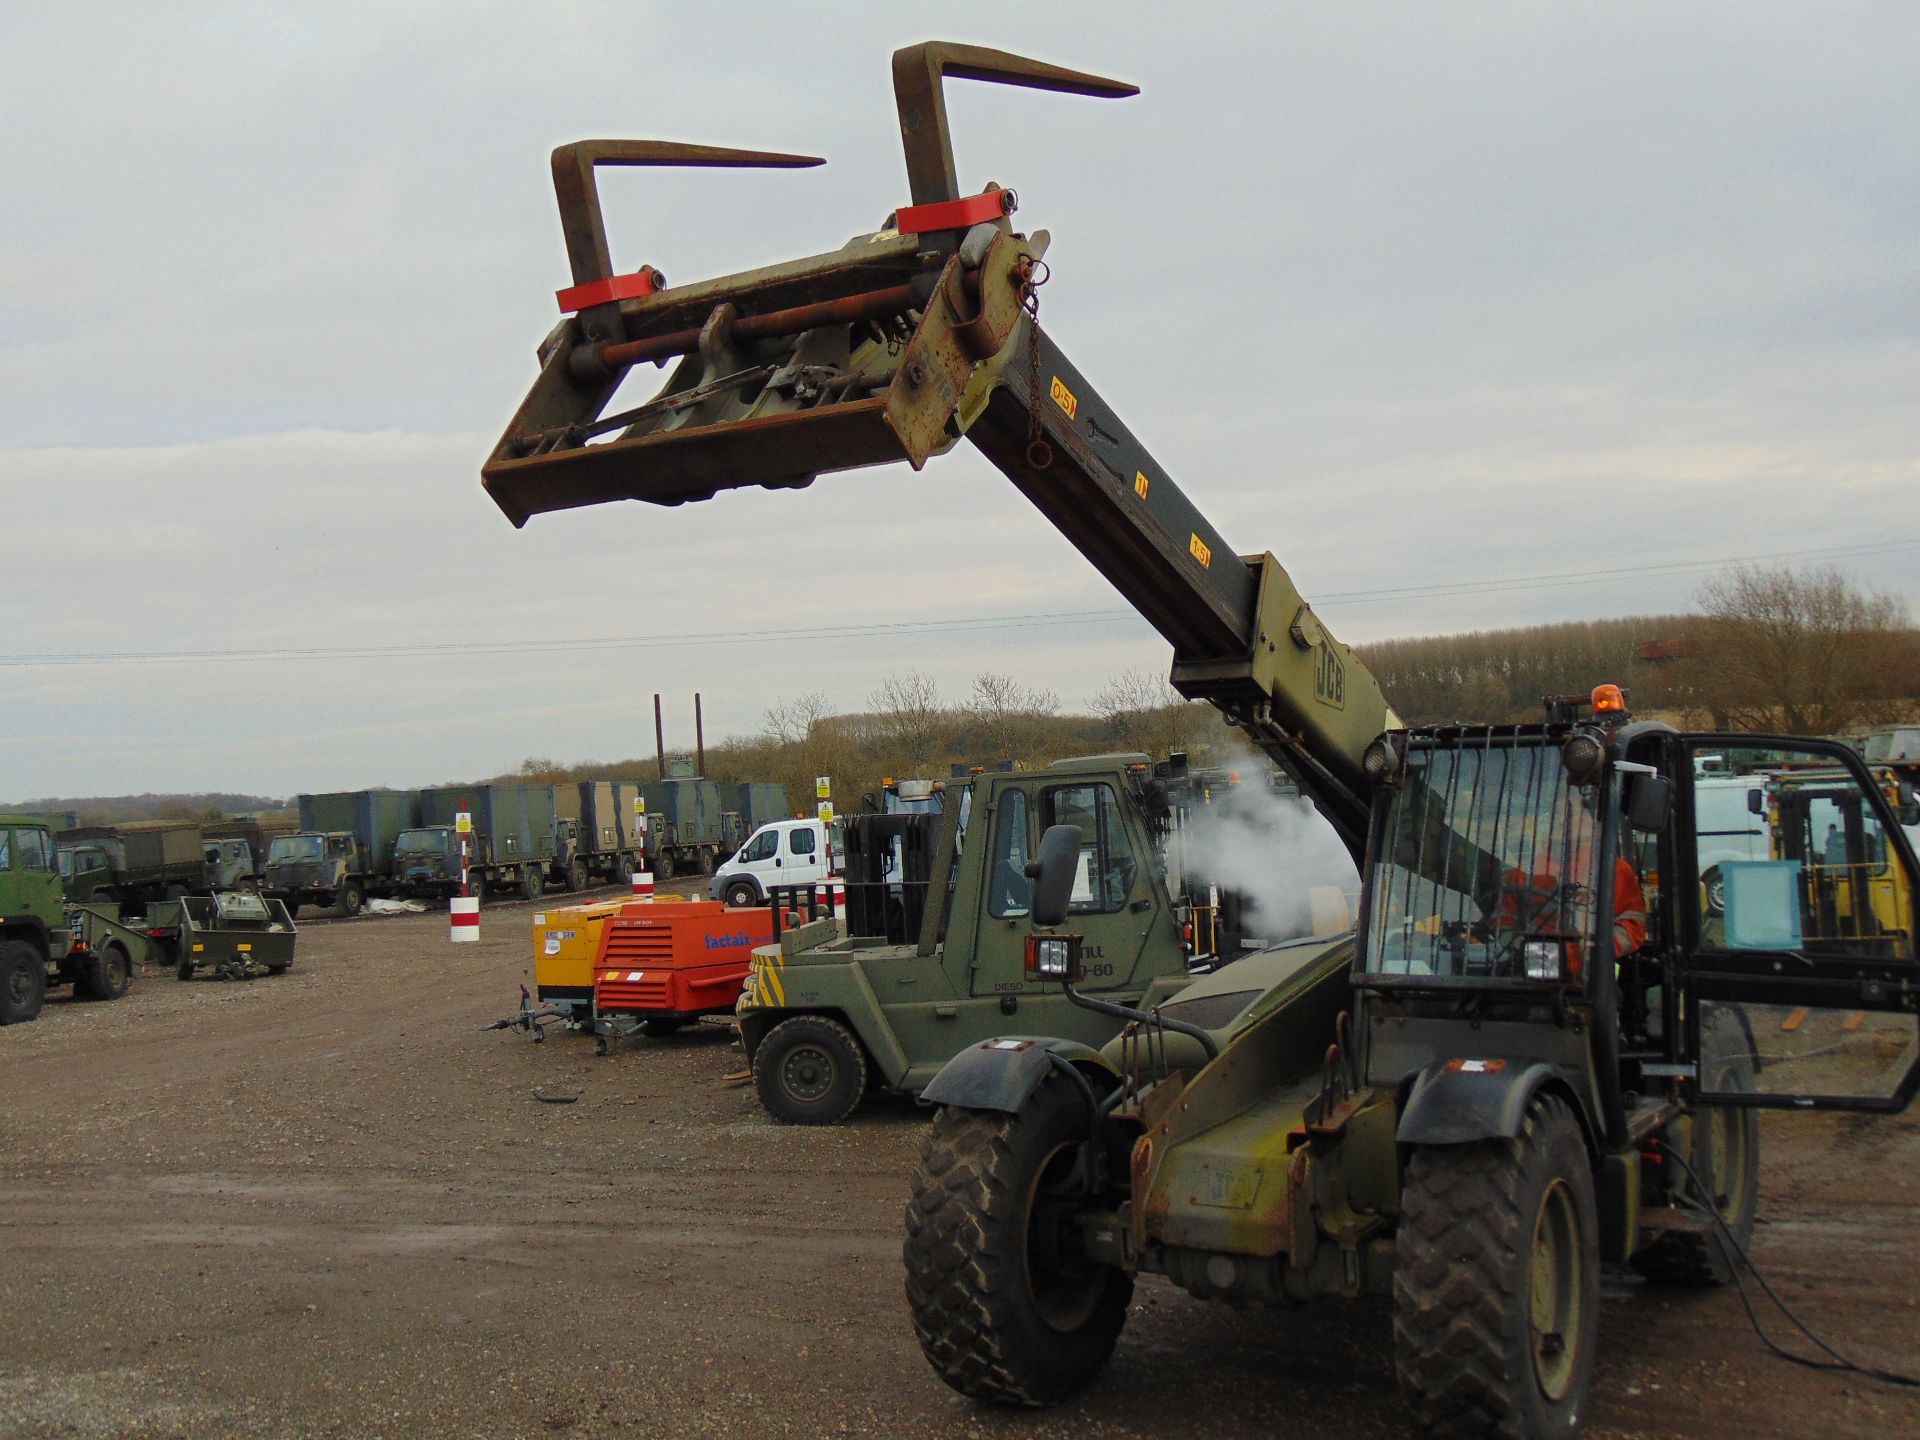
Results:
[511, 844]
[596, 835]
[343, 851]
[132, 864]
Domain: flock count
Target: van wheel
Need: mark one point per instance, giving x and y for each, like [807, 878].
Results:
[109, 974]
[1716, 884]
[23, 982]
[742, 893]
[1496, 1285]
[810, 1071]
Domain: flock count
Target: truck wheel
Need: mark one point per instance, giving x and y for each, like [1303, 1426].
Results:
[1496, 1286]
[532, 882]
[1003, 1309]
[810, 1071]
[663, 866]
[349, 899]
[1722, 1144]
[577, 876]
[477, 886]
[23, 982]
[109, 974]
[101, 897]
[293, 909]
[176, 892]
[742, 893]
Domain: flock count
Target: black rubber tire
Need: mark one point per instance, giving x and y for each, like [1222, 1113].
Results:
[476, 886]
[281, 968]
[662, 867]
[624, 868]
[742, 894]
[533, 882]
[1715, 885]
[293, 909]
[109, 974]
[1722, 1144]
[660, 1029]
[972, 1259]
[101, 897]
[1472, 1224]
[349, 899]
[176, 892]
[577, 876]
[810, 1070]
[23, 982]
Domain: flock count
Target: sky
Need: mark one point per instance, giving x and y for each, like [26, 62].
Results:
[1474, 314]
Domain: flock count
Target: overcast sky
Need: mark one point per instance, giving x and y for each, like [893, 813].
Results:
[1432, 300]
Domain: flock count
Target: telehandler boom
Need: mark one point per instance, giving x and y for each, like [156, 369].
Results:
[1541, 1050]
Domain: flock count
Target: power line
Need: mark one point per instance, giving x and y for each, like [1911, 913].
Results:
[426, 649]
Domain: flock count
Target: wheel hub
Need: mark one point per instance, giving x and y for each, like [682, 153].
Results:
[807, 1073]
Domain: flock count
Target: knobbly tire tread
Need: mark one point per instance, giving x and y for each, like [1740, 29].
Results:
[15, 953]
[963, 1285]
[1461, 1216]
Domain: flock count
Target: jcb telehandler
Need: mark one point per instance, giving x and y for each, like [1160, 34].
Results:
[1539, 1053]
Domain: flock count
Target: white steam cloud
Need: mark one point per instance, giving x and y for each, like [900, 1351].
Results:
[1275, 849]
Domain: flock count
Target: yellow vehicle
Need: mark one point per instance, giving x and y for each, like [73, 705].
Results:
[565, 944]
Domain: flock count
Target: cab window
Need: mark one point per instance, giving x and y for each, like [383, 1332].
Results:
[1009, 891]
[1107, 868]
[33, 850]
[6, 850]
[761, 847]
[800, 841]
[1806, 868]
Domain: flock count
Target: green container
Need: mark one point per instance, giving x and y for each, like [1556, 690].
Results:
[510, 822]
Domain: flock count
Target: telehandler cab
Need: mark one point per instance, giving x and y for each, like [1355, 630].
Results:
[1506, 1078]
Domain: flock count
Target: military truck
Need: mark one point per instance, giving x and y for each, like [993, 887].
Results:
[1538, 1054]
[38, 929]
[132, 864]
[596, 833]
[343, 851]
[511, 844]
[237, 850]
[688, 829]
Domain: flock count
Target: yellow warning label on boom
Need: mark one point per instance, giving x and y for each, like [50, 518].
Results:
[1200, 551]
[1064, 398]
[1140, 483]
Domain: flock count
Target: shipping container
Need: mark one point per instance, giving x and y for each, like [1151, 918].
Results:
[512, 843]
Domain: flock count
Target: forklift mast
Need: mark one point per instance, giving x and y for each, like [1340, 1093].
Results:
[892, 348]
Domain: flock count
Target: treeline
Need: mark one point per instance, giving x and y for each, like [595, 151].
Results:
[131, 809]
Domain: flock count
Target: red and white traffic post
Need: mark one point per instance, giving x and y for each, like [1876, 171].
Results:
[464, 908]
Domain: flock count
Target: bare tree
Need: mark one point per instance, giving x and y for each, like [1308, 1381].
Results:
[1145, 713]
[909, 722]
[1006, 715]
[1803, 651]
[789, 721]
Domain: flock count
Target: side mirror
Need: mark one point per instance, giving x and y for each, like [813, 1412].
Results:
[1756, 803]
[1053, 874]
[1648, 799]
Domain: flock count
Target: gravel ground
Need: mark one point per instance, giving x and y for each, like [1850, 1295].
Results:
[327, 1204]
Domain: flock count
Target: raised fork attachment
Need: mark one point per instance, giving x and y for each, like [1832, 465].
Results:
[872, 353]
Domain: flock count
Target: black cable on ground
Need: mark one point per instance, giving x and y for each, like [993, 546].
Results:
[1838, 1361]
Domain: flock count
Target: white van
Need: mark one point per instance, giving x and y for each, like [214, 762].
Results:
[783, 852]
[1730, 826]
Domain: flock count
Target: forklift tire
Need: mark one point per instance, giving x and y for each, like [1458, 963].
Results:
[349, 898]
[23, 982]
[1001, 1311]
[1496, 1285]
[1722, 1144]
[577, 876]
[742, 893]
[810, 1071]
[109, 974]
[532, 882]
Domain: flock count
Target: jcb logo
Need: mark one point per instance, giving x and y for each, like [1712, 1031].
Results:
[1200, 551]
[1329, 678]
[1064, 398]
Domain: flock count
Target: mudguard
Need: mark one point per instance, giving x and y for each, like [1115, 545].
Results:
[1454, 1102]
[1000, 1074]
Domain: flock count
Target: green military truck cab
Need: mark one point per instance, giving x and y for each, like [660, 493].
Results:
[316, 869]
[825, 1017]
[36, 932]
